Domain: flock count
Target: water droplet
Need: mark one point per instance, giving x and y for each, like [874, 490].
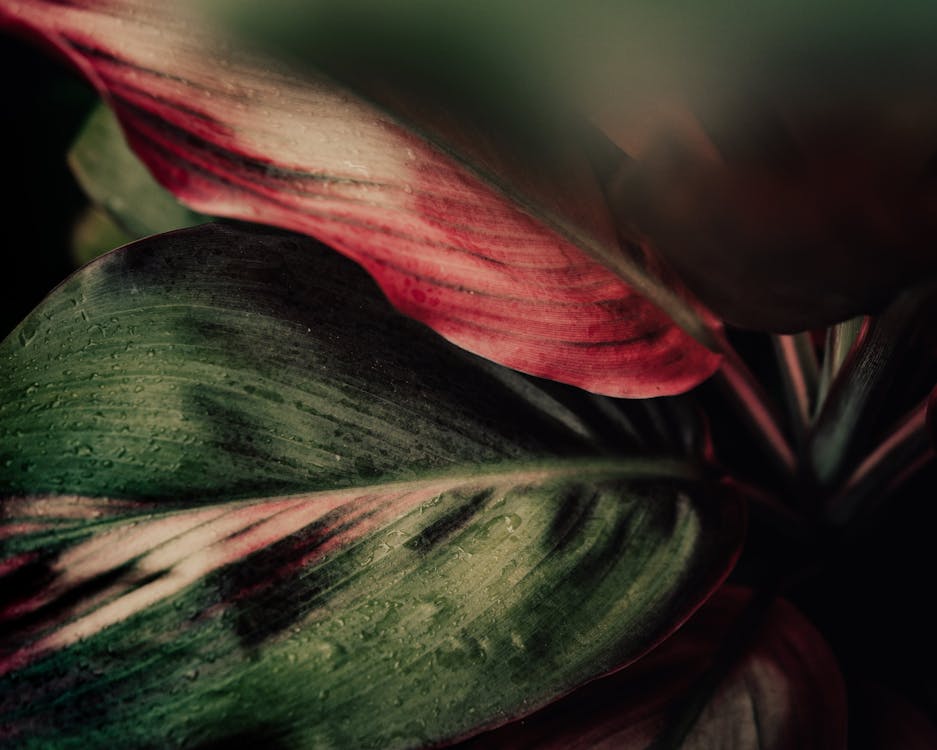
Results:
[513, 521]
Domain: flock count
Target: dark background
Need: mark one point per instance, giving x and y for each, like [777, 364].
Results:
[44, 105]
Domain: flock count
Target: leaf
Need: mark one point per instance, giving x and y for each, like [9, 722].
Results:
[263, 326]
[513, 257]
[115, 179]
[899, 455]
[248, 503]
[93, 234]
[890, 371]
[842, 341]
[786, 692]
[784, 163]
[797, 362]
[785, 209]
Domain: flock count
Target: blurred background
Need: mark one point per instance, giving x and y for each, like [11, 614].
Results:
[44, 107]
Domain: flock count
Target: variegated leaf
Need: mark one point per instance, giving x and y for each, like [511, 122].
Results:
[246, 502]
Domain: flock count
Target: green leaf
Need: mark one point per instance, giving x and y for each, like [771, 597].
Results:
[94, 233]
[116, 180]
[842, 340]
[884, 374]
[247, 503]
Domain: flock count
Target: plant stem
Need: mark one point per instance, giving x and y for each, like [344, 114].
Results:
[780, 517]
[798, 364]
[752, 401]
[893, 461]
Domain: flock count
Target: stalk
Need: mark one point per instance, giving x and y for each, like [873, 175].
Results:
[753, 403]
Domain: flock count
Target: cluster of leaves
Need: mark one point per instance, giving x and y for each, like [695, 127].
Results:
[250, 497]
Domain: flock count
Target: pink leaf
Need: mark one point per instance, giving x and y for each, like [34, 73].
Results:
[523, 268]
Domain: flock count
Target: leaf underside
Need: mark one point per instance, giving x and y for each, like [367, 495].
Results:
[114, 179]
[249, 503]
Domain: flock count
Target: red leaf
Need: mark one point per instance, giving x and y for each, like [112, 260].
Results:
[522, 269]
[786, 693]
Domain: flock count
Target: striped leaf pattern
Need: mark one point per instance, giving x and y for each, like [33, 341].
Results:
[244, 502]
